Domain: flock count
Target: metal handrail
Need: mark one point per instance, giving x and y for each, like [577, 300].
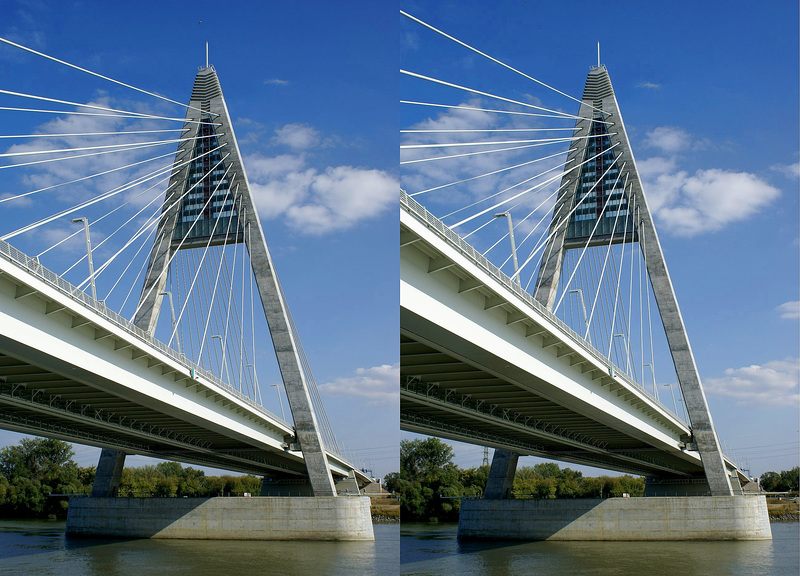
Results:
[34, 267]
[446, 233]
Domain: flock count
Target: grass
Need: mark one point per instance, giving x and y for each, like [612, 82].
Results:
[777, 508]
[385, 509]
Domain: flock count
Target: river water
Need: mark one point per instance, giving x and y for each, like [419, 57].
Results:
[430, 549]
[38, 547]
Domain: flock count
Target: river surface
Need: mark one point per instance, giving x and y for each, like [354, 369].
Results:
[431, 549]
[38, 547]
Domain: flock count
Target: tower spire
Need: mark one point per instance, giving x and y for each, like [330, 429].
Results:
[588, 225]
[219, 196]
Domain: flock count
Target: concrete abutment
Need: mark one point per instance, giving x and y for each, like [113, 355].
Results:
[657, 518]
[256, 518]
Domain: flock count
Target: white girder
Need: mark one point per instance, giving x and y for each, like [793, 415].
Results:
[60, 335]
[454, 300]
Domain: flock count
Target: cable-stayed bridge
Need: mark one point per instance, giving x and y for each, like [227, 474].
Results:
[562, 346]
[484, 362]
[163, 347]
[73, 369]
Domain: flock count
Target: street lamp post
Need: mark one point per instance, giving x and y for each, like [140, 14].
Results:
[278, 392]
[579, 292]
[221, 345]
[507, 215]
[88, 251]
[627, 351]
[172, 315]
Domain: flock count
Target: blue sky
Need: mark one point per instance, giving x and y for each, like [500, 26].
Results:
[709, 94]
[311, 92]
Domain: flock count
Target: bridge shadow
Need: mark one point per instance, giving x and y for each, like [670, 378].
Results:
[93, 520]
[529, 518]
[220, 518]
[420, 542]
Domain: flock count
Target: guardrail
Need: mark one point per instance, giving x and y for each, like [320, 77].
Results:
[454, 240]
[34, 267]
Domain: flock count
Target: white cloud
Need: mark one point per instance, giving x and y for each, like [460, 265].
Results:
[93, 131]
[376, 383]
[654, 167]
[790, 310]
[668, 139]
[706, 201]
[276, 82]
[788, 170]
[341, 196]
[772, 384]
[651, 85]
[314, 201]
[296, 136]
[276, 195]
[477, 176]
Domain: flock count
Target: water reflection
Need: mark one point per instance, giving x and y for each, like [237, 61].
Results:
[432, 549]
[37, 548]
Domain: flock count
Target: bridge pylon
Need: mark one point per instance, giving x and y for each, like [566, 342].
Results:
[580, 220]
[208, 191]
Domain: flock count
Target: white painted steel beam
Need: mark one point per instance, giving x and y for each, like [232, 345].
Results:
[471, 312]
[50, 337]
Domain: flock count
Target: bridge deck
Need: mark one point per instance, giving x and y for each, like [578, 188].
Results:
[482, 362]
[72, 369]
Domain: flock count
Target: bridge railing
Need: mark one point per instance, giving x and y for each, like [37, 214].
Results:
[34, 267]
[421, 213]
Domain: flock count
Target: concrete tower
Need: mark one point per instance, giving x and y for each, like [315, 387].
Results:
[594, 187]
[206, 128]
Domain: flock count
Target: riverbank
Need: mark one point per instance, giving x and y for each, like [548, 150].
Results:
[783, 510]
[385, 510]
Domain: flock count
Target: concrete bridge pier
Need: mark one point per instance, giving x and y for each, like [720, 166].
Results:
[657, 518]
[108, 474]
[255, 518]
[285, 510]
[501, 475]
[672, 509]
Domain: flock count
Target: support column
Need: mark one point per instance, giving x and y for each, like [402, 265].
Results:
[108, 474]
[207, 96]
[501, 475]
[599, 94]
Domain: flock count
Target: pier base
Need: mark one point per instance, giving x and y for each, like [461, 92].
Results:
[296, 518]
[674, 518]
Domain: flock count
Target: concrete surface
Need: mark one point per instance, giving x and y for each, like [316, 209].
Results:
[681, 518]
[317, 518]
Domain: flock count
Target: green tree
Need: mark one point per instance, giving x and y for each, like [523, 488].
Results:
[33, 470]
[547, 470]
[789, 480]
[769, 481]
[428, 482]
[474, 480]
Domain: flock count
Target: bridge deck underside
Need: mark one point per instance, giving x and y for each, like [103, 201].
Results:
[447, 396]
[74, 370]
[41, 401]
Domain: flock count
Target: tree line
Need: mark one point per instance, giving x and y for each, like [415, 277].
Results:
[430, 485]
[785, 481]
[37, 468]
